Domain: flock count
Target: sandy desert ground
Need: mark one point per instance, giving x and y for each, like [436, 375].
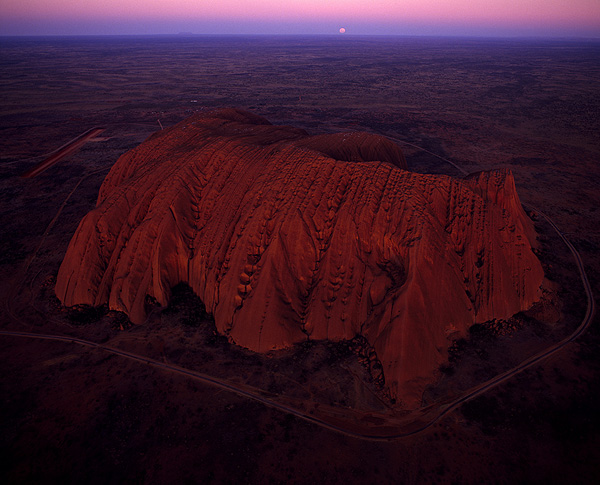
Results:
[74, 414]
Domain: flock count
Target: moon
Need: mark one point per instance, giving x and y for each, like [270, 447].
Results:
[342, 30]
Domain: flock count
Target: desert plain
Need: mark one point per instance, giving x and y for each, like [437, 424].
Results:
[72, 413]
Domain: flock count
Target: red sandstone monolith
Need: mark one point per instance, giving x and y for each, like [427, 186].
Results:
[287, 237]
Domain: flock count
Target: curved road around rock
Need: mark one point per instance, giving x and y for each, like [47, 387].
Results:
[330, 417]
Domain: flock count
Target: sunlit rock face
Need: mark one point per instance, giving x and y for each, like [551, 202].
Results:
[287, 237]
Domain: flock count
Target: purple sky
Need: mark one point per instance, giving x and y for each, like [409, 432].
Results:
[579, 18]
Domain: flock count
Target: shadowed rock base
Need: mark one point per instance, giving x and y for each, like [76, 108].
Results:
[286, 236]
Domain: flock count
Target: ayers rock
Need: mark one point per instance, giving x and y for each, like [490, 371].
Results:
[286, 236]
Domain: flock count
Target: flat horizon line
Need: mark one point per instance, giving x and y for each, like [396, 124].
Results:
[286, 35]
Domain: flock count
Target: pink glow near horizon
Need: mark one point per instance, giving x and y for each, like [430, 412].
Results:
[513, 13]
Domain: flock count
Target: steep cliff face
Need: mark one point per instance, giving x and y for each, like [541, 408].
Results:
[287, 237]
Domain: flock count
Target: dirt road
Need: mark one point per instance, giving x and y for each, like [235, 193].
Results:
[65, 150]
